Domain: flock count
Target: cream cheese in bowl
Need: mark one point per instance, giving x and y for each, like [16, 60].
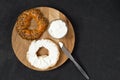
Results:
[58, 29]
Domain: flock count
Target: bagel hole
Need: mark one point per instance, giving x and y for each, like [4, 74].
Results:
[42, 51]
[33, 24]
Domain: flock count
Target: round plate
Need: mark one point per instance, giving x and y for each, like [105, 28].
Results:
[20, 45]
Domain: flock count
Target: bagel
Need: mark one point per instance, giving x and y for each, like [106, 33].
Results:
[43, 62]
[24, 21]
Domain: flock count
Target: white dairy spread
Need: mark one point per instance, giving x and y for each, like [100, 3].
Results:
[43, 62]
[58, 29]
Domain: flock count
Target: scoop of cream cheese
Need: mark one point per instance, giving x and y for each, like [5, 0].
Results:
[60, 44]
[58, 29]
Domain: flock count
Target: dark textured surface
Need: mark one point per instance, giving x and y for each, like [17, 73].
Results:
[97, 49]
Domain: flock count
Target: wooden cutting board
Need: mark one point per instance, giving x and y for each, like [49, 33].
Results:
[20, 46]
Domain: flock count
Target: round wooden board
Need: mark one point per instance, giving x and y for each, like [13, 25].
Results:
[20, 46]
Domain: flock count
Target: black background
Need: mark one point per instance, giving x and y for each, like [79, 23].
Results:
[97, 48]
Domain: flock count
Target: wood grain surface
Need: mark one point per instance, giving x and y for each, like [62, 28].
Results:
[20, 46]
